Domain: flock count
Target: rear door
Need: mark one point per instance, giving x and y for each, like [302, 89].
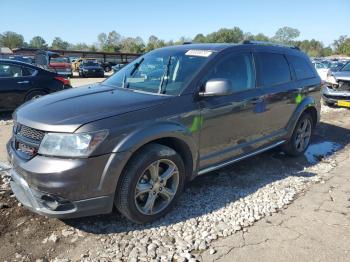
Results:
[307, 81]
[15, 81]
[230, 124]
[274, 79]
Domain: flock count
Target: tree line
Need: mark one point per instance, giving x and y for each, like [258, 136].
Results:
[114, 42]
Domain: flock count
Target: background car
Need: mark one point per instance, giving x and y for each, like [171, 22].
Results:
[337, 90]
[62, 66]
[76, 63]
[52, 61]
[90, 68]
[21, 82]
[24, 59]
[108, 66]
[117, 67]
[321, 69]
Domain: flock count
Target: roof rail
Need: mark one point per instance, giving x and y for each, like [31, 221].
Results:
[246, 42]
[187, 43]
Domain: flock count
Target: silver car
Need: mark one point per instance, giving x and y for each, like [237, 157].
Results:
[337, 89]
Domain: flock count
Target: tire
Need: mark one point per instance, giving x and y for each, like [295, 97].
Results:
[129, 199]
[34, 95]
[295, 148]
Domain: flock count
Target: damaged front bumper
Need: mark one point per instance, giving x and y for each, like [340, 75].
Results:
[336, 96]
[38, 186]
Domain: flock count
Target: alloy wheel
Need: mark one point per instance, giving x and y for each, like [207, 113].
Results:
[303, 135]
[157, 187]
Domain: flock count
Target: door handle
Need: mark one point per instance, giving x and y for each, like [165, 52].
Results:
[23, 82]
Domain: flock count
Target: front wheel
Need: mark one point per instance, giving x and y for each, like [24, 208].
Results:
[301, 136]
[150, 184]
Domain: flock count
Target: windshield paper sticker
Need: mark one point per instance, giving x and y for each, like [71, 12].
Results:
[202, 53]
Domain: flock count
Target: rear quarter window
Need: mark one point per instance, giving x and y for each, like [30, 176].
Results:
[272, 69]
[302, 68]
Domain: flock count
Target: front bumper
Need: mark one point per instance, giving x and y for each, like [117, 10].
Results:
[65, 73]
[62, 188]
[93, 73]
[332, 96]
[53, 206]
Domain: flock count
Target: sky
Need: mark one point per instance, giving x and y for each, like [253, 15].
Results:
[79, 21]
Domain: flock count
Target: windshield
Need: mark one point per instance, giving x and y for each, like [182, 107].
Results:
[90, 63]
[59, 60]
[346, 67]
[160, 71]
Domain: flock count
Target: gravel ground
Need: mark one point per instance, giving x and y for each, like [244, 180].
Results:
[213, 206]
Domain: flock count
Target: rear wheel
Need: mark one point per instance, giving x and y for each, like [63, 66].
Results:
[300, 139]
[150, 184]
[34, 95]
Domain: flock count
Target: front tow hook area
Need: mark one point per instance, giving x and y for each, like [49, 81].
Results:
[4, 169]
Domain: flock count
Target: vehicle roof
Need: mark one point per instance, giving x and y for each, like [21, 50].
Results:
[222, 46]
[12, 61]
[20, 63]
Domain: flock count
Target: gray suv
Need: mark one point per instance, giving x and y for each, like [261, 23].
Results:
[136, 139]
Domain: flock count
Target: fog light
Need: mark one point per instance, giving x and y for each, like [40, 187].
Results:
[56, 203]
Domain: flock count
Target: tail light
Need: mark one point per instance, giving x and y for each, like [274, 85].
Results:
[63, 80]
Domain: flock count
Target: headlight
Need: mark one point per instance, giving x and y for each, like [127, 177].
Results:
[71, 145]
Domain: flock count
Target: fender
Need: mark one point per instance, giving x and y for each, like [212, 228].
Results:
[125, 148]
[303, 105]
[142, 136]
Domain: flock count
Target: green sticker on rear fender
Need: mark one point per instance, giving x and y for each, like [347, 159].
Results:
[298, 98]
[196, 124]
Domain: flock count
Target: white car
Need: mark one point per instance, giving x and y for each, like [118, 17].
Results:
[321, 69]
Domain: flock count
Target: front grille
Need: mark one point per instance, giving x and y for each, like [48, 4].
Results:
[26, 140]
[31, 133]
[30, 151]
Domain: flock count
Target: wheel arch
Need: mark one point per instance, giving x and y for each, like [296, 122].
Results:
[307, 105]
[35, 90]
[173, 135]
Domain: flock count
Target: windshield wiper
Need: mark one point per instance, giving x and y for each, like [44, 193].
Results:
[125, 83]
[162, 87]
[136, 66]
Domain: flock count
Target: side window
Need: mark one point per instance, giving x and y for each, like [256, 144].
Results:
[238, 68]
[28, 71]
[272, 69]
[301, 67]
[10, 71]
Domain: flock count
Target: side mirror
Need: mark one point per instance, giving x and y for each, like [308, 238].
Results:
[217, 87]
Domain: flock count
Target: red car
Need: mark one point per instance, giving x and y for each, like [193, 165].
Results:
[61, 66]
[54, 62]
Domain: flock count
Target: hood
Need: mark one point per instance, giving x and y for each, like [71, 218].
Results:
[67, 110]
[342, 75]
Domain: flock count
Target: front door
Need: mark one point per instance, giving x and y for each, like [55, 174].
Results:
[231, 124]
